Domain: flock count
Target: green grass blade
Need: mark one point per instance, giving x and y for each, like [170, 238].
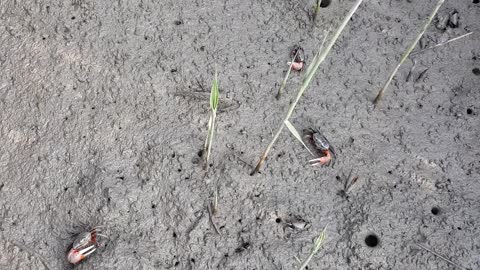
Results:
[214, 94]
[408, 51]
[316, 247]
[295, 133]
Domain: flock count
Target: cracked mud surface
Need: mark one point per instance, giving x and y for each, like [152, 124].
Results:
[102, 123]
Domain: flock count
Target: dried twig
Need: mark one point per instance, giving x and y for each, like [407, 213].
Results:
[441, 44]
[411, 70]
[210, 213]
[284, 82]
[441, 257]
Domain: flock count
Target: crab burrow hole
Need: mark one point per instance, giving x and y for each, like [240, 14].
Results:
[435, 210]
[371, 240]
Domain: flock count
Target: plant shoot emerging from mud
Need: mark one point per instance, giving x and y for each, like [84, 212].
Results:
[316, 247]
[214, 97]
[311, 70]
[408, 51]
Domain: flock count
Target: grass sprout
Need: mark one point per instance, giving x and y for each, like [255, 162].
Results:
[408, 51]
[316, 247]
[214, 97]
[308, 76]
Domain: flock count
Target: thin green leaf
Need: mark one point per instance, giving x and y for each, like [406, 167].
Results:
[316, 247]
[214, 94]
[296, 135]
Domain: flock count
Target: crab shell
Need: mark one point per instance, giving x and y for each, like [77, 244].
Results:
[320, 141]
[84, 245]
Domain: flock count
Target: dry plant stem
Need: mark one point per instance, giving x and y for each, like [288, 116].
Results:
[441, 44]
[441, 257]
[208, 142]
[284, 82]
[408, 51]
[306, 81]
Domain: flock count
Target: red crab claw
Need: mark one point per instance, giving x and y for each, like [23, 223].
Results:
[323, 160]
[75, 256]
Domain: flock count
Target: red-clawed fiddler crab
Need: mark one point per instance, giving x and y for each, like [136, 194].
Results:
[321, 144]
[298, 57]
[84, 245]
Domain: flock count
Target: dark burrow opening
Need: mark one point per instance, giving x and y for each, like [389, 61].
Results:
[435, 210]
[371, 240]
[325, 3]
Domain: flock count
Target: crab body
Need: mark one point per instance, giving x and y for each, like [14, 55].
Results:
[321, 143]
[298, 56]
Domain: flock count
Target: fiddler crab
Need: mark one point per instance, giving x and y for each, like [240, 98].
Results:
[298, 57]
[321, 144]
[84, 245]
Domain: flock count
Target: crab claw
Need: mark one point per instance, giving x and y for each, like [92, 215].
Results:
[325, 160]
[297, 66]
[75, 256]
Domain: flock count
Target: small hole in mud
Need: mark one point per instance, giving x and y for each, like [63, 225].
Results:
[174, 235]
[93, 108]
[476, 71]
[153, 206]
[179, 170]
[278, 220]
[173, 70]
[192, 260]
[65, 189]
[458, 228]
[469, 111]
[337, 177]
[200, 153]
[177, 263]
[146, 38]
[73, 17]
[178, 22]
[476, 1]
[226, 255]
[43, 38]
[435, 210]
[325, 3]
[240, 221]
[371, 240]
[389, 172]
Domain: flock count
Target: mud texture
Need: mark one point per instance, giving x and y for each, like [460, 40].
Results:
[103, 114]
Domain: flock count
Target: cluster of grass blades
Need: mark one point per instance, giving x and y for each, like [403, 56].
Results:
[310, 72]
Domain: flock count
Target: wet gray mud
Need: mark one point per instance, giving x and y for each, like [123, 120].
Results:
[103, 113]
